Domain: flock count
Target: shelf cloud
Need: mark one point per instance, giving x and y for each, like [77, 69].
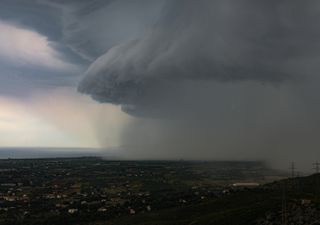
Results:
[205, 79]
[230, 78]
[267, 42]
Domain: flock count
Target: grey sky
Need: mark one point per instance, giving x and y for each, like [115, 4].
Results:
[78, 31]
[230, 78]
[227, 41]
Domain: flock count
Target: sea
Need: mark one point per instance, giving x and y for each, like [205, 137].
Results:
[31, 153]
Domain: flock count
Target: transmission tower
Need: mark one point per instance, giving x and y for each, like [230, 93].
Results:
[293, 169]
[317, 167]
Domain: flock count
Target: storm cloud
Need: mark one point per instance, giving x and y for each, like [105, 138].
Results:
[225, 78]
[76, 32]
[267, 42]
[201, 79]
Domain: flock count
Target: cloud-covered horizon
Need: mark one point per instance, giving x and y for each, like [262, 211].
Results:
[226, 79]
[207, 79]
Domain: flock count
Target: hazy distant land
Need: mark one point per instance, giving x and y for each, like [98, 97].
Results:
[28, 153]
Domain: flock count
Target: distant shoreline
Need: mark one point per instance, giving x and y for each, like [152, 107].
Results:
[17, 153]
[38, 152]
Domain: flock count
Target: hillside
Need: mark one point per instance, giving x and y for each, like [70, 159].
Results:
[243, 207]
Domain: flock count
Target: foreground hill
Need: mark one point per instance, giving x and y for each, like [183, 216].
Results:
[261, 205]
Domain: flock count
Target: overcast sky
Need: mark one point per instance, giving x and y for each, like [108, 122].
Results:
[220, 79]
[45, 48]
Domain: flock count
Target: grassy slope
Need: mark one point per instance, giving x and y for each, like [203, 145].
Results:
[241, 208]
[237, 209]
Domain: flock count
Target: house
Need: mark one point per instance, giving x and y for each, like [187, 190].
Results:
[72, 211]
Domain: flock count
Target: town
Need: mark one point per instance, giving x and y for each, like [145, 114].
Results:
[82, 190]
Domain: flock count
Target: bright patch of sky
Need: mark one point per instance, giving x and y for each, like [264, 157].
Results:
[60, 118]
[27, 48]
[44, 50]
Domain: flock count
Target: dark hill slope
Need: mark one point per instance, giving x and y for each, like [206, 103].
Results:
[239, 208]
